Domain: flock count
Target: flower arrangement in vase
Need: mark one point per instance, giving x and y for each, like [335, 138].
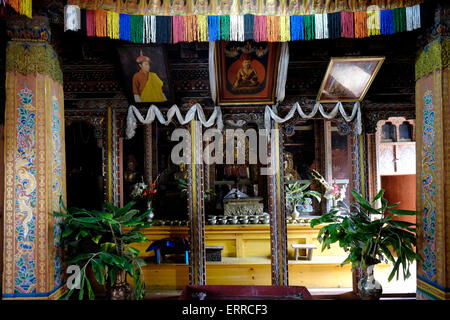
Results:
[331, 192]
[145, 193]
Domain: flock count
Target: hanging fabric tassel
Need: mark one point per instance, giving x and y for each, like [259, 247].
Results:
[409, 19]
[26, 8]
[309, 27]
[124, 22]
[191, 27]
[337, 25]
[260, 28]
[115, 26]
[224, 27]
[90, 23]
[100, 23]
[163, 28]
[178, 29]
[249, 27]
[387, 26]
[297, 28]
[318, 21]
[233, 28]
[147, 29]
[241, 28]
[136, 29]
[400, 19]
[361, 24]
[202, 22]
[236, 28]
[373, 22]
[285, 29]
[109, 27]
[273, 28]
[416, 17]
[213, 28]
[153, 29]
[72, 18]
[347, 24]
[325, 26]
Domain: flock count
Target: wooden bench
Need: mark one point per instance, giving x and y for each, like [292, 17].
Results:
[308, 247]
[213, 253]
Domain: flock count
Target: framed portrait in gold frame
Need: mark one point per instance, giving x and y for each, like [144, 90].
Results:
[246, 73]
[348, 79]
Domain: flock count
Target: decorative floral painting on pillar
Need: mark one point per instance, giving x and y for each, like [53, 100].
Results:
[145, 73]
[348, 79]
[246, 73]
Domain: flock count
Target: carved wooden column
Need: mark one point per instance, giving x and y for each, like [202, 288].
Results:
[278, 229]
[35, 173]
[433, 161]
[196, 222]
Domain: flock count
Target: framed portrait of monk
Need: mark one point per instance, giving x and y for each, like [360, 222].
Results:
[348, 79]
[145, 73]
[246, 72]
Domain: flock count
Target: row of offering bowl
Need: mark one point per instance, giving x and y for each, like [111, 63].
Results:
[304, 221]
[239, 219]
[170, 222]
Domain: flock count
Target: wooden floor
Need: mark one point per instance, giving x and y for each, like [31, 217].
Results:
[318, 294]
[324, 275]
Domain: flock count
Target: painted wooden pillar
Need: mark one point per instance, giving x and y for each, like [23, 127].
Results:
[278, 229]
[34, 164]
[433, 162]
[197, 257]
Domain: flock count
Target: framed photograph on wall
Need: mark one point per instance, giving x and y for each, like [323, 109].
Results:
[146, 73]
[246, 72]
[348, 79]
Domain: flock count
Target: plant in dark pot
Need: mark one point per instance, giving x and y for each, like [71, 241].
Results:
[370, 240]
[99, 242]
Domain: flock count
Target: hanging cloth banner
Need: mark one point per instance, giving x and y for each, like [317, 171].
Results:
[271, 114]
[154, 112]
[220, 7]
[238, 27]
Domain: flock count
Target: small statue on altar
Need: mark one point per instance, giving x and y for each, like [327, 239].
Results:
[130, 174]
[289, 171]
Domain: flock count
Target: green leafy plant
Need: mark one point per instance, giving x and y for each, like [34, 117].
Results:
[98, 239]
[183, 186]
[370, 241]
[296, 194]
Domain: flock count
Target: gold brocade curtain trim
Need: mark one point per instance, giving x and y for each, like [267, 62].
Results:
[239, 7]
[33, 58]
[434, 56]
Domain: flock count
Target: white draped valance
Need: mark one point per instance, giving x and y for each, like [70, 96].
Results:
[154, 112]
[271, 114]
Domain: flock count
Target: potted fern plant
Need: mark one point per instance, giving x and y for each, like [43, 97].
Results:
[99, 241]
[369, 241]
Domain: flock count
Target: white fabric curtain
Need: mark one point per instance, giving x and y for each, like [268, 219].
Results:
[212, 71]
[282, 72]
[154, 112]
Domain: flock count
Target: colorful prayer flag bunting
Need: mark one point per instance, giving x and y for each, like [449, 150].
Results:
[189, 28]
